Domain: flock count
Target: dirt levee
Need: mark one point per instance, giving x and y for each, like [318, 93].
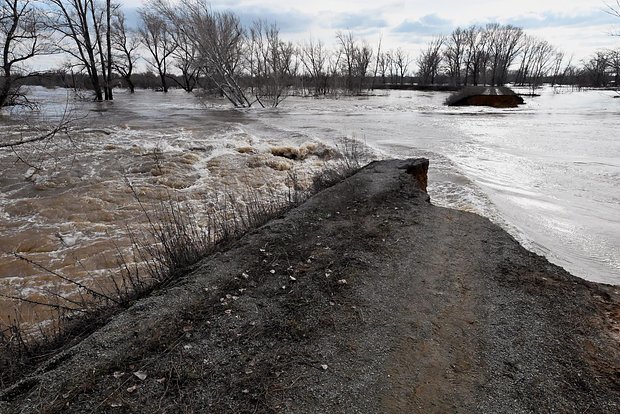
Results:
[366, 299]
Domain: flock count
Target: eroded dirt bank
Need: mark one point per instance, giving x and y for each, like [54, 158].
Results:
[366, 299]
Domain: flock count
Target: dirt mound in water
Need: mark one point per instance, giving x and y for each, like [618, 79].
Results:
[365, 299]
[496, 97]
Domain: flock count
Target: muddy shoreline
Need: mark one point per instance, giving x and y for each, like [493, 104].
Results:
[365, 299]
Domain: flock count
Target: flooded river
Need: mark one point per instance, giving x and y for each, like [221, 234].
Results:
[548, 171]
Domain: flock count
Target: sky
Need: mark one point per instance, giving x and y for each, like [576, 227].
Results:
[578, 27]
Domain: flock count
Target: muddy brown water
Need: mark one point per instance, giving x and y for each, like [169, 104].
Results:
[547, 171]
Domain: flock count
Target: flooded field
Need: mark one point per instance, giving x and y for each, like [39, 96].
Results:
[548, 171]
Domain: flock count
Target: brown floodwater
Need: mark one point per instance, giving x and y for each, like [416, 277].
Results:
[547, 172]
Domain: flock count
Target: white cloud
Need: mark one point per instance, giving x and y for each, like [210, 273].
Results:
[576, 26]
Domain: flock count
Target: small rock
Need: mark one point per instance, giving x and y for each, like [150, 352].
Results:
[324, 367]
[141, 375]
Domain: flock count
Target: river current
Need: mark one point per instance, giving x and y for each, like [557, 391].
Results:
[548, 171]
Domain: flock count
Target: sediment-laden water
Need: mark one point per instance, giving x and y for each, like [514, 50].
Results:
[548, 171]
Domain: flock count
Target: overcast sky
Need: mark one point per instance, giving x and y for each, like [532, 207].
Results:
[576, 26]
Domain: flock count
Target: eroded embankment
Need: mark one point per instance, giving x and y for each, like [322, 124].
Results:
[365, 299]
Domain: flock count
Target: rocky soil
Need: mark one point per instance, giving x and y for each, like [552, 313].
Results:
[366, 299]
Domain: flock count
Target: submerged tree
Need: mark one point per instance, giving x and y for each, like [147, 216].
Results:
[184, 53]
[271, 64]
[125, 44]
[537, 60]
[22, 37]
[220, 40]
[401, 62]
[155, 35]
[348, 50]
[314, 57]
[363, 58]
[85, 29]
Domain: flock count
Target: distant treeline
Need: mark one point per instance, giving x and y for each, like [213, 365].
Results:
[189, 45]
[299, 85]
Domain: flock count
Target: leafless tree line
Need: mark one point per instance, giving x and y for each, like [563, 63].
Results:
[189, 45]
[484, 55]
[20, 26]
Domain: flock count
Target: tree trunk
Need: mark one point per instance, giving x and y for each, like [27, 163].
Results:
[108, 36]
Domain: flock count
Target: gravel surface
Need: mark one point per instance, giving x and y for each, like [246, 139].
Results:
[366, 299]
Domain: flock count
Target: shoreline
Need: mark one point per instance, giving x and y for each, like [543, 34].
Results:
[366, 298]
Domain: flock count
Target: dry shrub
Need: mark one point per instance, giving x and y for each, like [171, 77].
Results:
[167, 249]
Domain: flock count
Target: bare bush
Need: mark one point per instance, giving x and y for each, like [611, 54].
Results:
[167, 249]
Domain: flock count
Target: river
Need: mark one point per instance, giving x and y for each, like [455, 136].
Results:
[548, 171]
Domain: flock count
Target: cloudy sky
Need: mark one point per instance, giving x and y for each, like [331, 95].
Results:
[576, 26]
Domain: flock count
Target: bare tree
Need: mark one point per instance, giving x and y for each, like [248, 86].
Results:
[314, 58]
[429, 61]
[376, 70]
[348, 50]
[155, 35]
[401, 61]
[272, 64]
[125, 44]
[22, 37]
[613, 59]
[220, 44]
[80, 25]
[613, 8]
[595, 69]
[537, 60]
[362, 59]
[333, 66]
[108, 40]
[559, 69]
[184, 54]
[504, 44]
[476, 54]
[392, 67]
[454, 55]
[383, 60]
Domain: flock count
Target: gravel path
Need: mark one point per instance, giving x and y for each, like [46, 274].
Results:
[366, 299]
